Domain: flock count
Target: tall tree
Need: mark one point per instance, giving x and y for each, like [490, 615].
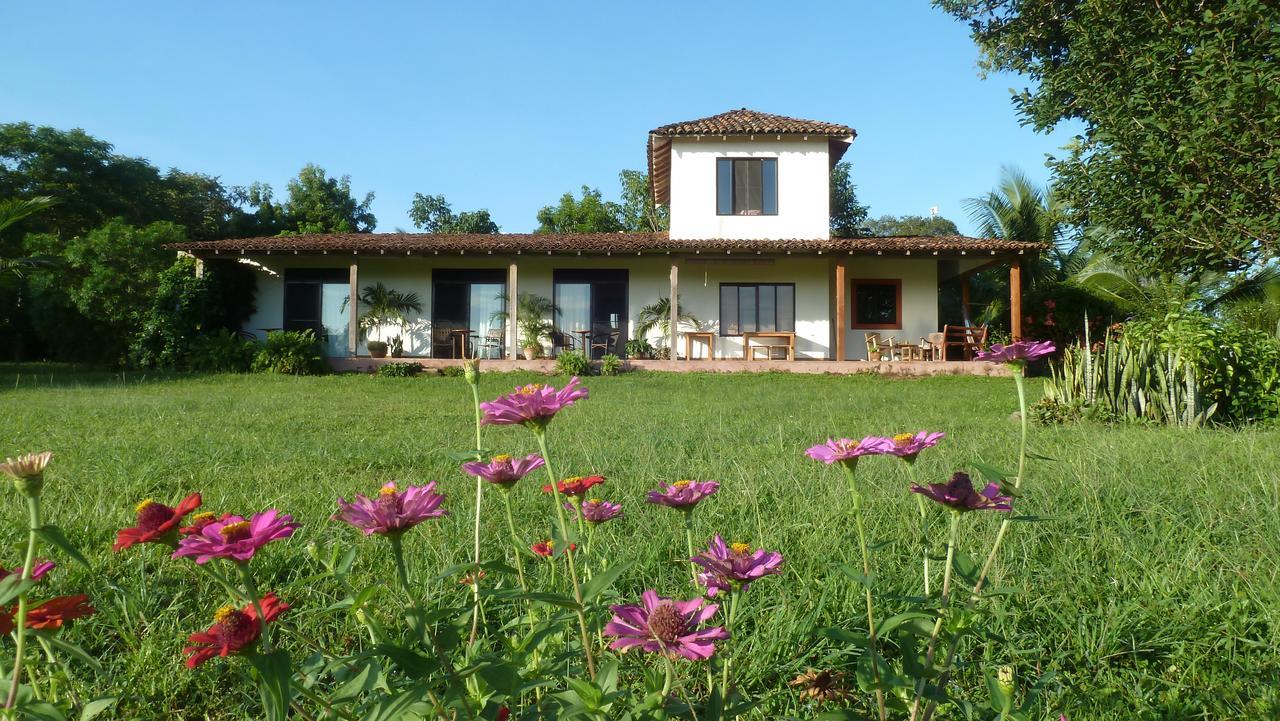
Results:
[1181, 107]
[910, 225]
[848, 216]
[320, 204]
[590, 214]
[433, 214]
[639, 213]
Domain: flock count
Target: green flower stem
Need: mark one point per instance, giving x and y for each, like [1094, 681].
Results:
[251, 589]
[475, 573]
[733, 614]
[515, 540]
[849, 475]
[924, 525]
[688, 537]
[20, 622]
[236, 595]
[541, 435]
[984, 574]
[402, 569]
[931, 653]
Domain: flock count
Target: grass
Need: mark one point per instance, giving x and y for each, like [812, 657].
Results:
[1150, 590]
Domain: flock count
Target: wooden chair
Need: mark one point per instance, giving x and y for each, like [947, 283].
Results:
[969, 339]
[494, 340]
[561, 341]
[442, 342]
[932, 345]
[607, 342]
[879, 348]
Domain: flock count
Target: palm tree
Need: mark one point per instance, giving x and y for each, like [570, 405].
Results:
[385, 305]
[1139, 293]
[1018, 209]
[535, 316]
[657, 316]
[12, 211]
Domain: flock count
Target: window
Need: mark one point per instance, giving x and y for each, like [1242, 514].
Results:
[877, 303]
[315, 299]
[752, 308]
[746, 186]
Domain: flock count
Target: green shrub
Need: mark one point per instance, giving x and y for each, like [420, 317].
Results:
[610, 365]
[399, 370]
[452, 371]
[638, 348]
[573, 363]
[290, 352]
[221, 351]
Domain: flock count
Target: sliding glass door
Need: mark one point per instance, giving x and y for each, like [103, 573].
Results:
[592, 309]
[316, 299]
[465, 312]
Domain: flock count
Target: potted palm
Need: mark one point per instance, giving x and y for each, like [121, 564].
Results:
[534, 322]
[657, 316]
[384, 306]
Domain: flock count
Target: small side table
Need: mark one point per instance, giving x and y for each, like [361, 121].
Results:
[705, 337]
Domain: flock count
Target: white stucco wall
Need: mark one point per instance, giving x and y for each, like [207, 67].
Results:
[803, 188]
[919, 299]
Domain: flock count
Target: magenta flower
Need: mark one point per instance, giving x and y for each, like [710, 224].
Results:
[958, 494]
[728, 567]
[683, 495]
[1020, 352]
[235, 538]
[907, 446]
[503, 470]
[663, 625]
[37, 571]
[847, 450]
[393, 512]
[596, 511]
[533, 405]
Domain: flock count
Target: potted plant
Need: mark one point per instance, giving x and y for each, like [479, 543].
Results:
[397, 347]
[533, 321]
[657, 316]
[377, 349]
[385, 306]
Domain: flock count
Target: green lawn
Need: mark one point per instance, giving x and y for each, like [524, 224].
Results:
[1150, 591]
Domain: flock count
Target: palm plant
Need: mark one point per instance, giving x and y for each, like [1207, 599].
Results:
[12, 211]
[1142, 293]
[1018, 209]
[535, 318]
[385, 306]
[657, 316]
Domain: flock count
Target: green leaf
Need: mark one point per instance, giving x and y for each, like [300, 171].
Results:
[604, 580]
[69, 649]
[275, 682]
[889, 624]
[991, 473]
[853, 638]
[11, 587]
[1040, 457]
[369, 678]
[590, 695]
[397, 707]
[97, 706]
[856, 575]
[55, 537]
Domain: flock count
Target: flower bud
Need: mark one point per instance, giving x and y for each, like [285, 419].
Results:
[471, 370]
[1004, 677]
[27, 472]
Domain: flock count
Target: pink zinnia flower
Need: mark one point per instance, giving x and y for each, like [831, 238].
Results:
[726, 567]
[576, 486]
[37, 571]
[235, 538]
[907, 446]
[664, 625]
[958, 494]
[1021, 352]
[683, 495]
[503, 470]
[596, 511]
[233, 630]
[533, 405]
[847, 450]
[392, 512]
[156, 523]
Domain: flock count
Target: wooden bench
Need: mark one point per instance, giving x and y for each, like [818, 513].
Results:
[769, 350]
[788, 337]
[969, 339]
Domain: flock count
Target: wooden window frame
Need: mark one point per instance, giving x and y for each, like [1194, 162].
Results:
[777, 185]
[897, 302]
[721, 329]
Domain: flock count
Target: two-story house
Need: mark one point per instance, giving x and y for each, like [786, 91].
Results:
[749, 254]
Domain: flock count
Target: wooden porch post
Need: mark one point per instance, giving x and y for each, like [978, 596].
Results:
[1015, 299]
[513, 336]
[353, 308]
[841, 320]
[674, 320]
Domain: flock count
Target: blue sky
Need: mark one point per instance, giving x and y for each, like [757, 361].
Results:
[507, 106]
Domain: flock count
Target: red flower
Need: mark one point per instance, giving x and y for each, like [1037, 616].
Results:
[51, 614]
[157, 523]
[233, 630]
[547, 548]
[503, 714]
[1050, 304]
[200, 520]
[576, 486]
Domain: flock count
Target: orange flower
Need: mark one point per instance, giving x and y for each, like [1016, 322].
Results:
[50, 614]
[575, 486]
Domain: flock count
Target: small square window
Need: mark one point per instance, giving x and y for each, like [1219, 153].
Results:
[746, 186]
[877, 303]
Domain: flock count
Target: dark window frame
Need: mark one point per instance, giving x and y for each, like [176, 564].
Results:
[738, 310]
[723, 162]
[897, 304]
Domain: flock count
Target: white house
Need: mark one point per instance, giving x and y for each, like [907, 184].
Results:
[749, 254]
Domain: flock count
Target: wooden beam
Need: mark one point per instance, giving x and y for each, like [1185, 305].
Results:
[353, 308]
[1015, 300]
[513, 336]
[674, 320]
[842, 322]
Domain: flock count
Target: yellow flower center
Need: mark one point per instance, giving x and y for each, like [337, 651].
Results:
[388, 489]
[903, 439]
[682, 484]
[595, 501]
[235, 531]
[145, 503]
[571, 480]
[223, 614]
[204, 517]
[530, 389]
[502, 458]
[740, 548]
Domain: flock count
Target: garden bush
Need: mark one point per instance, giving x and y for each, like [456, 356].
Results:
[290, 352]
[221, 351]
[638, 348]
[400, 370]
[573, 363]
[611, 365]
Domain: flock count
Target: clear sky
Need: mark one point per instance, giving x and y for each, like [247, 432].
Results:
[507, 106]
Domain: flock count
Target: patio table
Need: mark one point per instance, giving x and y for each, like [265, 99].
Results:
[460, 338]
[789, 337]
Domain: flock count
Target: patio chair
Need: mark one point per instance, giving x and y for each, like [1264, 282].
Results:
[561, 341]
[494, 340]
[969, 339]
[443, 344]
[608, 343]
[878, 348]
[932, 345]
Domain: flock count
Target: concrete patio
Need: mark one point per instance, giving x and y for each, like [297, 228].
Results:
[548, 366]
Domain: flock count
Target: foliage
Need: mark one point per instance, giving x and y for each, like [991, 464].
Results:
[400, 370]
[848, 216]
[1181, 110]
[657, 317]
[433, 214]
[534, 318]
[452, 371]
[377, 346]
[590, 214]
[320, 204]
[290, 352]
[385, 306]
[221, 351]
[1259, 315]
[638, 212]
[184, 306]
[1058, 312]
[573, 363]
[611, 365]
[638, 348]
[910, 225]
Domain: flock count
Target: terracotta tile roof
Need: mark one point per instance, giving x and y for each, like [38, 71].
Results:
[746, 122]
[590, 243]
